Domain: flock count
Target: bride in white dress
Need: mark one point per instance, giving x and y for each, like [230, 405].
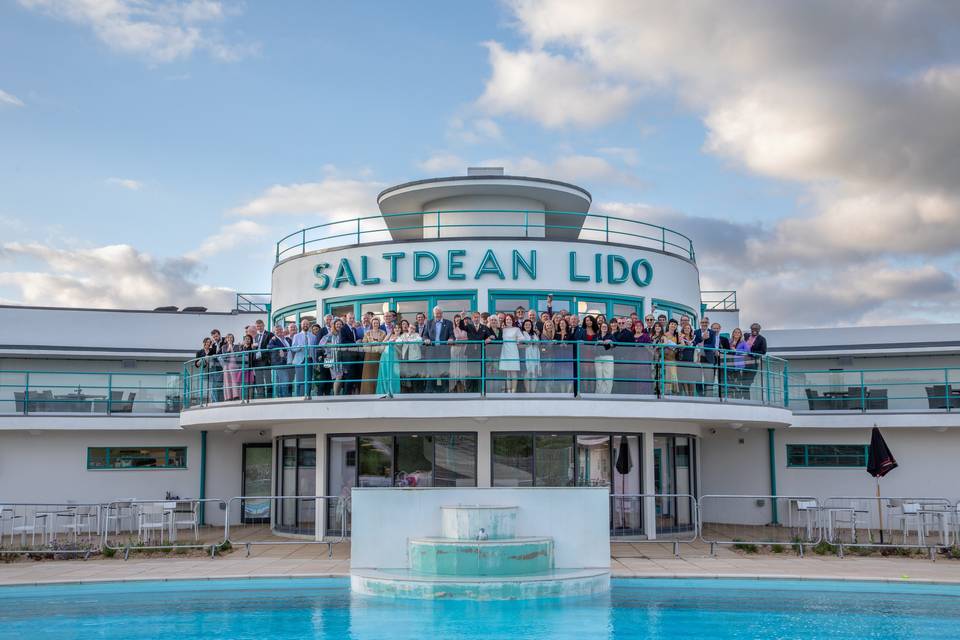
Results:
[510, 353]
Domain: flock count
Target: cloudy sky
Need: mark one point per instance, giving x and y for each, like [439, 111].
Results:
[153, 151]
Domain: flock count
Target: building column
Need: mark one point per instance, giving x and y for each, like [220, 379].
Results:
[320, 482]
[484, 457]
[649, 487]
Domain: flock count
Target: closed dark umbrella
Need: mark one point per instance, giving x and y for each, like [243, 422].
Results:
[880, 462]
[623, 466]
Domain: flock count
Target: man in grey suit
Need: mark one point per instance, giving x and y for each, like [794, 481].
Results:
[437, 334]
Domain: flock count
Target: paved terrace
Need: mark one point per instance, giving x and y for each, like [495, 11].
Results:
[640, 560]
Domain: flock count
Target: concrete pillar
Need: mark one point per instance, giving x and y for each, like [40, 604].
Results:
[321, 484]
[649, 486]
[484, 457]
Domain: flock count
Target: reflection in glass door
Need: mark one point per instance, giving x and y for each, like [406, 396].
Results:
[256, 482]
[673, 458]
[297, 461]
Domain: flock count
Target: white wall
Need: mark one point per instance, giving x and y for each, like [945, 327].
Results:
[385, 519]
[674, 279]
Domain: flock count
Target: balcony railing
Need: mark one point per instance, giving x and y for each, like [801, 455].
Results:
[719, 300]
[253, 302]
[81, 392]
[456, 223]
[863, 390]
[412, 368]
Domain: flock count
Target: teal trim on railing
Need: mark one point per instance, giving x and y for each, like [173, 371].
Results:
[90, 392]
[491, 368]
[864, 390]
[623, 231]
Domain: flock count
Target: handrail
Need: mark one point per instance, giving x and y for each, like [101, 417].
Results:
[869, 390]
[90, 392]
[577, 368]
[719, 300]
[658, 237]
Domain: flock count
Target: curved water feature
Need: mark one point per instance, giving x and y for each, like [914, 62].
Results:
[478, 556]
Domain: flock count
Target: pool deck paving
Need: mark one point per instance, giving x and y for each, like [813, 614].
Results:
[628, 560]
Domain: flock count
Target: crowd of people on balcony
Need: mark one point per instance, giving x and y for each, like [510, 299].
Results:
[473, 352]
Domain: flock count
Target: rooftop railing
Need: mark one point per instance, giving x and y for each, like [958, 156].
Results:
[253, 302]
[719, 300]
[82, 392]
[863, 390]
[454, 224]
[410, 367]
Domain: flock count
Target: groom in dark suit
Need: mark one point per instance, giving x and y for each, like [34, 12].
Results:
[436, 332]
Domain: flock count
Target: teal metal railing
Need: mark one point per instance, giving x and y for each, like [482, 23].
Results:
[718, 301]
[527, 224]
[410, 367]
[255, 302]
[73, 392]
[893, 389]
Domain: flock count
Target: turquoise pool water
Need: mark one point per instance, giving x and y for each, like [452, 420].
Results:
[324, 608]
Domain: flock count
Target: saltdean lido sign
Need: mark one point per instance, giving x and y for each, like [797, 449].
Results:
[427, 265]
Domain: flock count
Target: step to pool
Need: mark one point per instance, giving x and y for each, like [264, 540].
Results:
[556, 583]
[443, 556]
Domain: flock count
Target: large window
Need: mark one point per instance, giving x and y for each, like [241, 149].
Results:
[399, 460]
[573, 302]
[296, 313]
[136, 458]
[406, 305]
[827, 455]
[673, 310]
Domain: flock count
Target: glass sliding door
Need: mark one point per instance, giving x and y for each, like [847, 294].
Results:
[341, 478]
[554, 460]
[414, 465]
[512, 460]
[674, 461]
[626, 514]
[375, 460]
[297, 461]
[455, 460]
[256, 482]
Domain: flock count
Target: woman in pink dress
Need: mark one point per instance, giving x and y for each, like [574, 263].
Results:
[231, 371]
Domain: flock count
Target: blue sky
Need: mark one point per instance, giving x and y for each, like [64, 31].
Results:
[161, 127]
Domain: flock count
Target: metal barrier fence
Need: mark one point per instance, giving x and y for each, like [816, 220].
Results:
[891, 522]
[51, 528]
[154, 525]
[409, 366]
[760, 520]
[248, 518]
[676, 518]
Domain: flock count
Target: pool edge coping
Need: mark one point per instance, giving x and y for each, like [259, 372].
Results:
[613, 576]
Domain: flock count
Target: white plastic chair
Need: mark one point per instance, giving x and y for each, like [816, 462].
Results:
[189, 518]
[38, 524]
[7, 514]
[909, 518]
[809, 514]
[86, 519]
[154, 516]
[117, 513]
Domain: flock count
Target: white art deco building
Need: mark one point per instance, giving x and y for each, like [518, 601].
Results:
[109, 405]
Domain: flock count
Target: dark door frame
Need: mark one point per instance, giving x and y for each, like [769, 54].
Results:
[243, 481]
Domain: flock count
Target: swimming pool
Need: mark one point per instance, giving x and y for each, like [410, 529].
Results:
[634, 608]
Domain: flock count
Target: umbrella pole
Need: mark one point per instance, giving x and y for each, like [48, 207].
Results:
[880, 509]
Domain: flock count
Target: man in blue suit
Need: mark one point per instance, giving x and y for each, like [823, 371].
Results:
[708, 336]
[436, 332]
[302, 355]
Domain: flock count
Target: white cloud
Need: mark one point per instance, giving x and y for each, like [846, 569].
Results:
[9, 100]
[158, 30]
[473, 131]
[444, 163]
[113, 276]
[233, 235]
[576, 168]
[550, 89]
[856, 102]
[335, 197]
[126, 183]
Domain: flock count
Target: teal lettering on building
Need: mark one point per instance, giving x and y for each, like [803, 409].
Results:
[425, 266]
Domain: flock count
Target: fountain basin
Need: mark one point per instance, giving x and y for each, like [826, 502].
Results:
[464, 521]
[443, 556]
[556, 583]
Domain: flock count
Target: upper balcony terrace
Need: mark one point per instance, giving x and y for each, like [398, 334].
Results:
[485, 223]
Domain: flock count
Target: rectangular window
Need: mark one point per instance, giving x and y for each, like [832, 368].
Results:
[827, 455]
[456, 460]
[512, 460]
[136, 458]
[553, 460]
